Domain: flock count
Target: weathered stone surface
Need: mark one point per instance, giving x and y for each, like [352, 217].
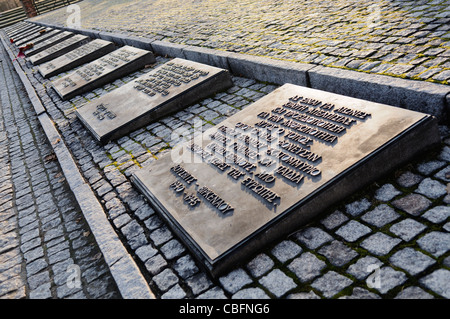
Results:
[413, 204]
[331, 283]
[439, 282]
[411, 260]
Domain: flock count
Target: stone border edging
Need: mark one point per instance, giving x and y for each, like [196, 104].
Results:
[421, 96]
[126, 274]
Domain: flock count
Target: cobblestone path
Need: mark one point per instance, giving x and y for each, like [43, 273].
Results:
[46, 248]
[402, 38]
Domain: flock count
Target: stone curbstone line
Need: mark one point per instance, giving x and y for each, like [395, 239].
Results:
[129, 280]
[422, 96]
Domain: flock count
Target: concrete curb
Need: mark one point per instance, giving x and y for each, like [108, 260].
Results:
[426, 97]
[129, 280]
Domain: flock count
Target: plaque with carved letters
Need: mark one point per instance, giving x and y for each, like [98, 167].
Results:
[84, 54]
[272, 167]
[59, 49]
[106, 69]
[34, 37]
[51, 41]
[23, 30]
[164, 90]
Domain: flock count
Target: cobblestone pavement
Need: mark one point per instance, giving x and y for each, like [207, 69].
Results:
[391, 240]
[45, 244]
[402, 38]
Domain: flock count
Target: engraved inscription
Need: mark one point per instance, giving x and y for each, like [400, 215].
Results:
[171, 74]
[103, 113]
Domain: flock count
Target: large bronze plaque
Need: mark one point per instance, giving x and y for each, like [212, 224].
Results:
[86, 53]
[106, 69]
[164, 90]
[274, 166]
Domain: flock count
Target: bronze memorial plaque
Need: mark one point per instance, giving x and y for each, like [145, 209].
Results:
[47, 43]
[272, 167]
[59, 49]
[106, 69]
[84, 54]
[32, 37]
[164, 90]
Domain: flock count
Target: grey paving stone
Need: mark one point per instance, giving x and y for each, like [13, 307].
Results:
[165, 279]
[338, 253]
[362, 268]
[277, 283]
[161, 235]
[235, 280]
[429, 167]
[431, 188]
[303, 295]
[380, 216]
[445, 154]
[443, 174]
[172, 249]
[260, 265]
[41, 292]
[380, 244]
[357, 207]
[176, 292]
[407, 229]
[286, 250]
[361, 293]
[438, 281]
[213, 293]
[413, 204]
[413, 293]
[437, 214]
[185, 267]
[199, 283]
[313, 237]
[387, 192]
[250, 293]
[389, 279]
[436, 243]
[306, 267]
[411, 260]
[331, 283]
[334, 220]
[155, 264]
[353, 230]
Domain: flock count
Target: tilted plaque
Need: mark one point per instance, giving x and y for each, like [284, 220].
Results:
[37, 39]
[166, 89]
[28, 37]
[84, 54]
[106, 69]
[272, 167]
[44, 45]
[24, 29]
[59, 49]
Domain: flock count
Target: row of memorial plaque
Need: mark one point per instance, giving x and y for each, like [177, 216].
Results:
[258, 175]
